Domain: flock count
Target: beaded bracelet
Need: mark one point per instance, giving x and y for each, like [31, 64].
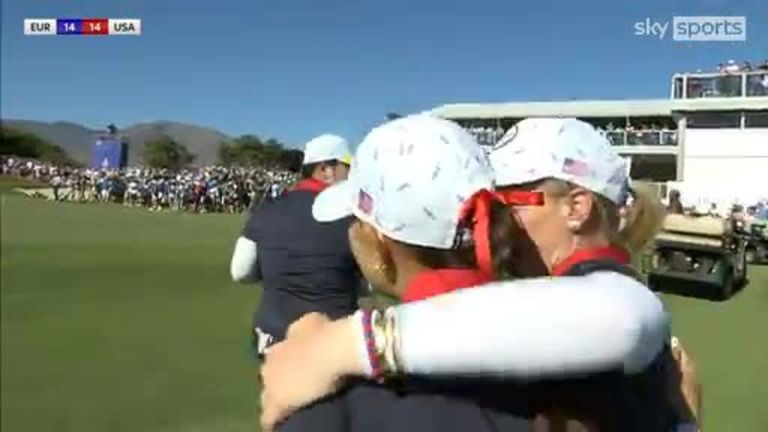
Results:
[378, 348]
[372, 347]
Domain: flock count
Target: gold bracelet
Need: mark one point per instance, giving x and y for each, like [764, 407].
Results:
[379, 338]
[390, 357]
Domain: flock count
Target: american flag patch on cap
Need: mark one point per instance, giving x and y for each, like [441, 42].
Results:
[575, 167]
[364, 202]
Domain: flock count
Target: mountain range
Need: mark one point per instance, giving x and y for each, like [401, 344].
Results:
[77, 139]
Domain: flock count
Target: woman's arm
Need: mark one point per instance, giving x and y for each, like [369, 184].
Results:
[546, 327]
[533, 328]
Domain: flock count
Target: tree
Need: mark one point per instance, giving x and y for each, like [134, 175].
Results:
[165, 152]
[227, 154]
[250, 150]
[24, 144]
[292, 159]
[272, 150]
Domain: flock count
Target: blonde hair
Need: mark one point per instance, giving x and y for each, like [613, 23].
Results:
[642, 221]
[633, 230]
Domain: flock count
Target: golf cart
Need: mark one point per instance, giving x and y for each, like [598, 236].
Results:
[757, 241]
[697, 256]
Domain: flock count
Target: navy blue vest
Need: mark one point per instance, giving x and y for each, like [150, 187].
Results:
[306, 266]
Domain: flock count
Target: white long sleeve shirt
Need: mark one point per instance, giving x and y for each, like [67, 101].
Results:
[242, 267]
[543, 327]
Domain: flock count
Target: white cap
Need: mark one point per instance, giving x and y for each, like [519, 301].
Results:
[563, 148]
[327, 147]
[410, 180]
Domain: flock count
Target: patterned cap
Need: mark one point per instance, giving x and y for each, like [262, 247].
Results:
[563, 148]
[326, 147]
[411, 179]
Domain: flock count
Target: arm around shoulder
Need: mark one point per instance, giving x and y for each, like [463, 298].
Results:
[545, 327]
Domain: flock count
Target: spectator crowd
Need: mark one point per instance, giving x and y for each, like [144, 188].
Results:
[201, 190]
[646, 134]
[641, 134]
[728, 81]
[732, 67]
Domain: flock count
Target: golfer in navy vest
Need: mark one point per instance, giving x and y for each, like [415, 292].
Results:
[305, 266]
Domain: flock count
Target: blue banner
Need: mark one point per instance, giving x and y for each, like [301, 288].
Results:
[108, 153]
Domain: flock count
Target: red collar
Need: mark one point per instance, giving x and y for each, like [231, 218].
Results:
[310, 184]
[613, 253]
[435, 282]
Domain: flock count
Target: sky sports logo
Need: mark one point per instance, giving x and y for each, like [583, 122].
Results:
[696, 28]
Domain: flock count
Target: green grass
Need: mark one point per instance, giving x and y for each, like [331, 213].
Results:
[118, 319]
[9, 183]
[728, 342]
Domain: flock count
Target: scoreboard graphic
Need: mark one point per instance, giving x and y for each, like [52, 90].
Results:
[82, 27]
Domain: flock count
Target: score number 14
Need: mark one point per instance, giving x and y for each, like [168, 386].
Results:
[95, 26]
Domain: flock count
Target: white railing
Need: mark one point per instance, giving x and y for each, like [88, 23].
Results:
[720, 84]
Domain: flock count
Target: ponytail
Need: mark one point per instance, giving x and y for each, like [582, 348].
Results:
[503, 233]
[642, 221]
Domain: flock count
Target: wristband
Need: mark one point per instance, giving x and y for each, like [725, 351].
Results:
[377, 343]
[362, 345]
[374, 345]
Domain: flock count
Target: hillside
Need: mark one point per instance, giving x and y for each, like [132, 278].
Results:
[74, 138]
[77, 139]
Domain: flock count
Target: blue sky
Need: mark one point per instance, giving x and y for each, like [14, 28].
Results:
[296, 68]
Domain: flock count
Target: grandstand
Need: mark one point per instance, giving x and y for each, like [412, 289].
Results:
[709, 139]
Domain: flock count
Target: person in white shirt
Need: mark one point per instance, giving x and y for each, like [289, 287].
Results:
[732, 67]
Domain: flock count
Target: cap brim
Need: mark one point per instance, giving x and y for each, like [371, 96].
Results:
[334, 203]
